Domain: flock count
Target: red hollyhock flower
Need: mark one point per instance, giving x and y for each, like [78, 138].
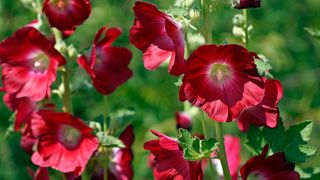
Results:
[183, 120]
[23, 107]
[66, 14]
[222, 80]
[107, 66]
[269, 168]
[65, 143]
[27, 140]
[244, 4]
[266, 113]
[29, 63]
[169, 162]
[159, 37]
[121, 164]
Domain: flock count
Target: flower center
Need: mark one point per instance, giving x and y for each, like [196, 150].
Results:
[220, 72]
[69, 136]
[60, 3]
[39, 62]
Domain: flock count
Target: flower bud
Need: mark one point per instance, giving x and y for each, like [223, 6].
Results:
[238, 31]
[187, 3]
[183, 120]
[238, 20]
[194, 14]
[244, 4]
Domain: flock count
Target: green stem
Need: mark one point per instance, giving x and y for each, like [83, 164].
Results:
[204, 129]
[245, 15]
[207, 21]
[66, 94]
[222, 151]
[105, 129]
[105, 123]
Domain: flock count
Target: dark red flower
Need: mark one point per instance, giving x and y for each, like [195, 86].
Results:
[222, 80]
[269, 168]
[159, 37]
[169, 162]
[23, 107]
[183, 120]
[244, 4]
[65, 143]
[29, 63]
[121, 163]
[266, 113]
[27, 140]
[107, 65]
[66, 14]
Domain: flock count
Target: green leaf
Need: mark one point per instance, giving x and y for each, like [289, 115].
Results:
[254, 139]
[297, 136]
[195, 149]
[263, 66]
[313, 32]
[121, 119]
[109, 141]
[293, 142]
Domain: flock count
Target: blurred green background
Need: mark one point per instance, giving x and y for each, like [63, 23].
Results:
[278, 34]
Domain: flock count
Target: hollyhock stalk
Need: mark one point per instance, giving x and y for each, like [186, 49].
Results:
[65, 77]
[105, 128]
[219, 130]
[245, 15]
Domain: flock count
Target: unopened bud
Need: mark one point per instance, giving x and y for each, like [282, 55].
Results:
[187, 3]
[72, 51]
[238, 20]
[238, 31]
[244, 4]
[194, 14]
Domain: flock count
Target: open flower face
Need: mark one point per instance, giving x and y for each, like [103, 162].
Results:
[222, 80]
[29, 63]
[107, 65]
[159, 37]
[169, 162]
[265, 113]
[65, 143]
[66, 14]
[269, 168]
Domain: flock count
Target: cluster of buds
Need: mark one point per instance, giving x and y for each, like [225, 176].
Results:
[241, 29]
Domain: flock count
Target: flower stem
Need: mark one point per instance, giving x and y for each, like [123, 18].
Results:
[66, 94]
[207, 21]
[222, 151]
[105, 129]
[204, 129]
[105, 123]
[245, 15]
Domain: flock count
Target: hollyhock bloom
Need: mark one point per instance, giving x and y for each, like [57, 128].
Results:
[40, 174]
[266, 113]
[29, 63]
[269, 168]
[66, 14]
[107, 65]
[159, 37]
[65, 143]
[169, 162]
[183, 120]
[244, 4]
[233, 148]
[121, 164]
[222, 80]
[23, 107]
